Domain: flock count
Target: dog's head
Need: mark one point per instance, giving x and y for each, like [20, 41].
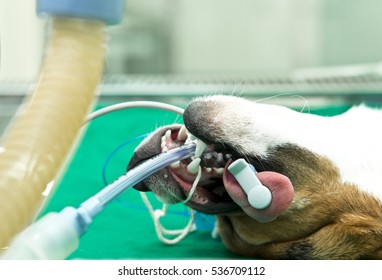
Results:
[314, 212]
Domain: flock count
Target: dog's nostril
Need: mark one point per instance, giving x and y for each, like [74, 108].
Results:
[141, 187]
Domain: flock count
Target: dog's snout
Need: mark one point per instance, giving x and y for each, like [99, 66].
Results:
[198, 119]
[193, 114]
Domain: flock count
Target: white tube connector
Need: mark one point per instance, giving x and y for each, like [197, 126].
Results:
[53, 237]
[259, 196]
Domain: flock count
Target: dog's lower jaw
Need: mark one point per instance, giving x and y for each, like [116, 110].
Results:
[355, 239]
[328, 219]
[239, 235]
[335, 227]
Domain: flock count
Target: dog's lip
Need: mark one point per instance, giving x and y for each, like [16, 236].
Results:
[208, 197]
[203, 200]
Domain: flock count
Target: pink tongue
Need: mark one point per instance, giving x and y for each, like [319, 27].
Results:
[279, 185]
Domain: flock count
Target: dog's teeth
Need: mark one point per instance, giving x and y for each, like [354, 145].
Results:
[207, 156]
[220, 157]
[175, 164]
[208, 169]
[163, 143]
[219, 171]
[168, 134]
[164, 149]
[182, 134]
[193, 167]
[200, 147]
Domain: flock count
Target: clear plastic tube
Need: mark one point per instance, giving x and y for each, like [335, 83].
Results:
[96, 203]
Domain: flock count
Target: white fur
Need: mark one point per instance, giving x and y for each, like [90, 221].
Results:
[352, 141]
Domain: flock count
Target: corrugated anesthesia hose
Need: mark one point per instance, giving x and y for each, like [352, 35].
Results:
[40, 137]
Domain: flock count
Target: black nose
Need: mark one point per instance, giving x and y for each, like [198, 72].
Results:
[141, 187]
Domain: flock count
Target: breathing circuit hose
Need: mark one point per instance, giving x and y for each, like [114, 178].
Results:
[40, 137]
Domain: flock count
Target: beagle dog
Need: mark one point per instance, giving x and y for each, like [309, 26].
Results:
[324, 174]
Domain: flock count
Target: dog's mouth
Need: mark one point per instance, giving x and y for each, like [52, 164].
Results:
[217, 192]
[210, 195]
[213, 161]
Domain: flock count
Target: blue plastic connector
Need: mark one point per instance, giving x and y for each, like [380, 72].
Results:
[108, 11]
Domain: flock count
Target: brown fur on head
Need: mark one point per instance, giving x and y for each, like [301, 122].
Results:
[335, 213]
[327, 219]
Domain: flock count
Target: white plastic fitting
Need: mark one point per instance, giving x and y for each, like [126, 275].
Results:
[53, 237]
[259, 196]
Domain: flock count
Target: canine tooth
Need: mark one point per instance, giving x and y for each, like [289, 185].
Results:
[164, 149]
[208, 169]
[193, 167]
[182, 134]
[219, 171]
[168, 134]
[200, 147]
[175, 164]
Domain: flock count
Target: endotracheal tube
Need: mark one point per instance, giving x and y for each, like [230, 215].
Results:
[56, 235]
